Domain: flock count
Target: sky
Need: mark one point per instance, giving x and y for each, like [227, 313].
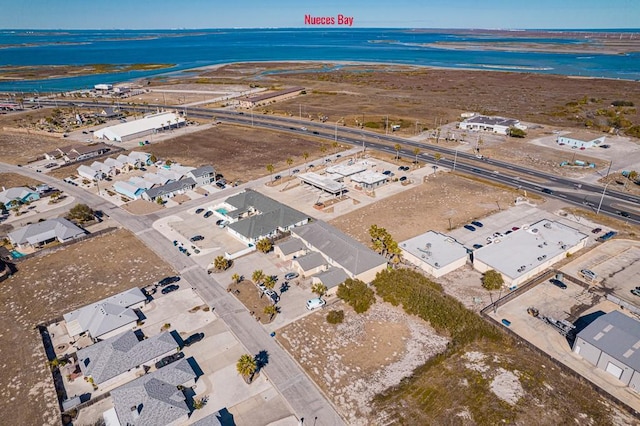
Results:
[164, 14]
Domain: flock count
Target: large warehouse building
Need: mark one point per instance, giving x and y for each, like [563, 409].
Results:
[528, 251]
[499, 125]
[612, 343]
[139, 128]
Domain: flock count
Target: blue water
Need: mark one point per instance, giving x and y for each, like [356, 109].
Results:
[196, 48]
[16, 254]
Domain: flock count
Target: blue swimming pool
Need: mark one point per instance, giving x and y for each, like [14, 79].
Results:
[222, 211]
[16, 254]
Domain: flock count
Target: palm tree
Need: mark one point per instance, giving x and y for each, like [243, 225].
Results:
[270, 169]
[416, 151]
[323, 149]
[269, 282]
[236, 278]
[335, 146]
[319, 289]
[264, 245]
[270, 310]
[257, 276]
[289, 163]
[437, 156]
[305, 155]
[247, 367]
[397, 147]
[632, 176]
[221, 263]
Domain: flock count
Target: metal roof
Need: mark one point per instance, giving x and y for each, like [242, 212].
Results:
[617, 335]
[351, 255]
[324, 182]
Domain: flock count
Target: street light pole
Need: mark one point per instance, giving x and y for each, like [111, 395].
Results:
[602, 198]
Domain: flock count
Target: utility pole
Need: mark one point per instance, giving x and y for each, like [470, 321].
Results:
[602, 198]
[609, 169]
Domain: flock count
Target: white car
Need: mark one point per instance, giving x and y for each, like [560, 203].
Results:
[315, 303]
[290, 276]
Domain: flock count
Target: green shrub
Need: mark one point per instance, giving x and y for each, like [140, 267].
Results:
[357, 294]
[335, 317]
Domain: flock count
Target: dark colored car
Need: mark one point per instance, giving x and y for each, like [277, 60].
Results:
[169, 289]
[219, 222]
[469, 227]
[277, 177]
[196, 238]
[169, 359]
[478, 224]
[168, 280]
[386, 172]
[208, 214]
[220, 185]
[402, 179]
[198, 211]
[315, 133]
[596, 230]
[605, 146]
[477, 246]
[623, 214]
[515, 228]
[558, 283]
[547, 191]
[295, 171]
[194, 338]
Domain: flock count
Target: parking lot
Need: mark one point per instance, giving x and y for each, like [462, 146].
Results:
[617, 265]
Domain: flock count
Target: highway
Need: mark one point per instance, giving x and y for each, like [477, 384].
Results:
[572, 191]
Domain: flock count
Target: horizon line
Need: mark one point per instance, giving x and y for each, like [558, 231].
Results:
[324, 28]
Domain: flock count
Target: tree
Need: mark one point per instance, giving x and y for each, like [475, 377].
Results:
[289, 163]
[397, 147]
[221, 263]
[3, 208]
[384, 244]
[319, 289]
[437, 156]
[633, 176]
[416, 152]
[335, 317]
[270, 310]
[257, 276]
[269, 282]
[80, 213]
[492, 280]
[236, 278]
[514, 132]
[357, 294]
[159, 201]
[323, 149]
[305, 155]
[335, 146]
[168, 163]
[246, 367]
[270, 169]
[153, 158]
[264, 245]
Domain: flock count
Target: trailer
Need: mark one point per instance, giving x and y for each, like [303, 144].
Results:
[563, 327]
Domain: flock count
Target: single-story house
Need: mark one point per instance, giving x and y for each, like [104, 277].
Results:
[129, 190]
[90, 173]
[156, 179]
[18, 195]
[109, 113]
[115, 165]
[338, 249]
[124, 356]
[157, 398]
[581, 140]
[108, 317]
[141, 182]
[331, 278]
[310, 263]
[612, 344]
[169, 190]
[290, 249]
[102, 167]
[71, 153]
[41, 233]
[203, 175]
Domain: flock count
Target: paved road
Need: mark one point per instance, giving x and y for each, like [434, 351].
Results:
[288, 378]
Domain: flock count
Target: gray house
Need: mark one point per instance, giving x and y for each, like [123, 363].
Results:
[41, 233]
[203, 175]
[612, 343]
[169, 190]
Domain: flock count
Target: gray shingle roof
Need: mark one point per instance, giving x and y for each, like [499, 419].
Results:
[353, 256]
[202, 171]
[155, 396]
[210, 420]
[59, 228]
[310, 261]
[106, 315]
[116, 355]
[617, 335]
[18, 193]
[171, 187]
[292, 245]
[332, 277]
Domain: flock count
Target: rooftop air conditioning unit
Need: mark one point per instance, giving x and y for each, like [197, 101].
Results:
[547, 225]
[437, 265]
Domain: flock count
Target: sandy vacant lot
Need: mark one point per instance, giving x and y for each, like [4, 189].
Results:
[428, 206]
[45, 288]
[366, 354]
[235, 151]
[19, 148]
[11, 180]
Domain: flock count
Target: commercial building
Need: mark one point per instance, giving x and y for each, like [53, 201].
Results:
[108, 317]
[325, 183]
[369, 180]
[528, 251]
[340, 250]
[267, 98]
[254, 216]
[45, 232]
[612, 343]
[124, 357]
[139, 128]
[499, 125]
[435, 253]
[581, 140]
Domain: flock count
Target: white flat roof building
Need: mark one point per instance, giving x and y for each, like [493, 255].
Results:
[323, 182]
[498, 125]
[345, 170]
[369, 179]
[528, 251]
[139, 128]
[435, 253]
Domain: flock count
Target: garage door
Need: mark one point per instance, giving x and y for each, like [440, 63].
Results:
[614, 370]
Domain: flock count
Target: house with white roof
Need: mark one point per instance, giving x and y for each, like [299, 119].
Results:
[103, 168]
[108, 317]
[124, 357]
[18, 195]
[89, 173]
[115, 165]
[129, 190]
[41, 233]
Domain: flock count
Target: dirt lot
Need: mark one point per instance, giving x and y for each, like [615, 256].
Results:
[428, 206]
[19, 148]
[47, 287]
[248, 294]
[11, 180]
[366, 354]
[239, 153]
